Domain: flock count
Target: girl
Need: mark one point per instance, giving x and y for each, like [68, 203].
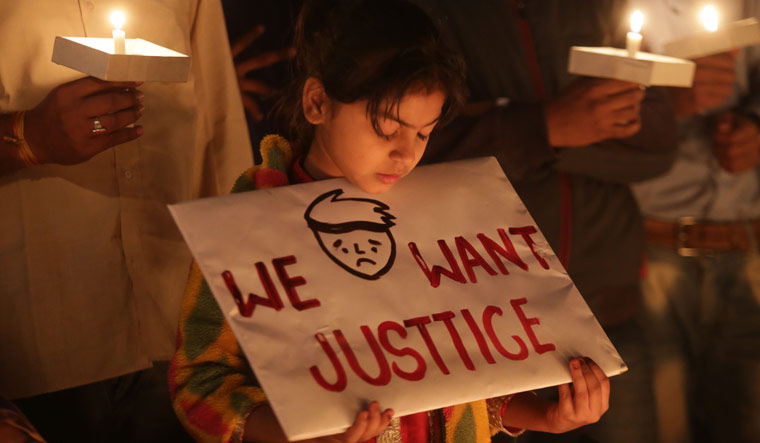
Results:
[375, 80]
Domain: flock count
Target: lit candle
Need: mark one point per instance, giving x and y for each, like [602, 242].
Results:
[119, 41]
[633, 38]
[709, 18]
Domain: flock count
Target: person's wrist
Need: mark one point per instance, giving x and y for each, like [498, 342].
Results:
[498, 407]
[34, 135]
[14, 133]
[28, 158]
[552, 418]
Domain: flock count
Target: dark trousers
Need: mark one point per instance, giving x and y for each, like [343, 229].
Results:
[130, 408]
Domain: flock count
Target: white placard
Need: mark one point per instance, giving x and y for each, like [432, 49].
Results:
[418, 330]
[645, 68]
[730, 36]
[143, 61]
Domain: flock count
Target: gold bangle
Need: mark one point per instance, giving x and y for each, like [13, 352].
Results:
[24, 152]
[495, 407]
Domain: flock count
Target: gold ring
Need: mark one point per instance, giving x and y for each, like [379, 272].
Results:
[97, 126]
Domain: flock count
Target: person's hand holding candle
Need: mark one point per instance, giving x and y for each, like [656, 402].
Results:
[82, 118]
[713, 83]
[713, 79]
[592, 110]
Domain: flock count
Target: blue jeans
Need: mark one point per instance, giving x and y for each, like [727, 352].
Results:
[703, 318]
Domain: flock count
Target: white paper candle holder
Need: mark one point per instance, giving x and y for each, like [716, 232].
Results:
[143, 61]
[644, 68]
[726, 38]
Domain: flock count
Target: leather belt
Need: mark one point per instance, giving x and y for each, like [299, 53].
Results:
[692, 237]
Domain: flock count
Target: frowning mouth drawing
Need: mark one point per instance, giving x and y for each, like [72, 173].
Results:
[354, 233]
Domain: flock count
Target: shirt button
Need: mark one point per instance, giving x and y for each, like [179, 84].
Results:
[90, 5]
[128, 174]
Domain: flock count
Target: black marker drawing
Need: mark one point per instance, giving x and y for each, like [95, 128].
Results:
[354, 232]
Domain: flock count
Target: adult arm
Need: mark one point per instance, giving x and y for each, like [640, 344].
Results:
[10, 159]
[59, 129]
[735, 133]
[518, 136]
[646, 154]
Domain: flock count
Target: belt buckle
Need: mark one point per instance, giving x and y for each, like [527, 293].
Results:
[680, 228]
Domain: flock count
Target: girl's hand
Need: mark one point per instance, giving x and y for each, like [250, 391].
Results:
[585, 402]
[262, 426]
[368, 424]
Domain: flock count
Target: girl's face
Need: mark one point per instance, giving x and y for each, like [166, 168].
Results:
[346, 144]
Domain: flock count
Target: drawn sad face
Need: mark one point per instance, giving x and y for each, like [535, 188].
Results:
[360, 252]
[354, 233]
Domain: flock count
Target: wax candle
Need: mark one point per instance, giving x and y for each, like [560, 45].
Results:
[633, 38]
[119, 37]
[709, 18]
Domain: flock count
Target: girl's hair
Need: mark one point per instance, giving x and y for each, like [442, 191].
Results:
[374, 50]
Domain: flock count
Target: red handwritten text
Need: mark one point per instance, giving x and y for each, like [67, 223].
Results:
[272, 300]
[380, 345]
[470, 258]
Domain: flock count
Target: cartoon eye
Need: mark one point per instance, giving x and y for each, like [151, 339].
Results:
[345, 250]
[374, 249]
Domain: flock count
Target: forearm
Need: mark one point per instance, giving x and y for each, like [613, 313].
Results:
[645, 155]
[527, 411]
[9, 150]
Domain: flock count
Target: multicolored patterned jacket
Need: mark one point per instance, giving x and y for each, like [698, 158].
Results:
[212, 386]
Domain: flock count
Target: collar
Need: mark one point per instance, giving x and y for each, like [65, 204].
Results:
[299, 174]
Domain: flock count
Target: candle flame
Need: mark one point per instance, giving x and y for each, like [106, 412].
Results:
[117, 19]
[709, 18]
[637, 19]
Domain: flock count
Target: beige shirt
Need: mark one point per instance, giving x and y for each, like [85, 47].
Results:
[92, 266]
